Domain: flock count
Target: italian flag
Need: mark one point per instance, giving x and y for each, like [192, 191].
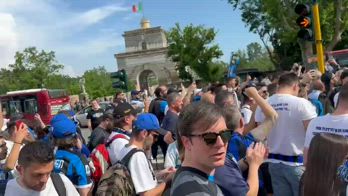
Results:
[137, 8]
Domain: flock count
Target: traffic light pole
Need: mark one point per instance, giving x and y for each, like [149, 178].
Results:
[318, 39]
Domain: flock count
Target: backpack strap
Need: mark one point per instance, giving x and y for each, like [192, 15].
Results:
[117, 136]
[58, 184]
[129, 155]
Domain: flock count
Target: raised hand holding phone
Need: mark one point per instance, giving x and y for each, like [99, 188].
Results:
[21, 132]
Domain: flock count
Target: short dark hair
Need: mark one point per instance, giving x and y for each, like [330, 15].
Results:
[107, 116]
[344, 74]
[288, 79]
[198, 115]
[343, 96]
[158, 91]
[35, 152]
[221, 98]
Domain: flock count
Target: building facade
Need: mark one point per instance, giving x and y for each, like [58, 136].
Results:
[145, 59]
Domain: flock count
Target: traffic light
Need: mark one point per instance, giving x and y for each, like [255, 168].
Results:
[304, 22]
[121, 77]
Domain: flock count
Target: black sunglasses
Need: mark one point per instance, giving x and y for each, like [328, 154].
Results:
[210, 138]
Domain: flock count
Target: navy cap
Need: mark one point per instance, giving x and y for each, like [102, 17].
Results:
[62, 126]
[146, 122]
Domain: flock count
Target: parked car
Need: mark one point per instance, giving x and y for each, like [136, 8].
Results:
[81, 116]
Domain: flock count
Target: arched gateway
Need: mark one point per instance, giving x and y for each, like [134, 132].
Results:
[145, 59]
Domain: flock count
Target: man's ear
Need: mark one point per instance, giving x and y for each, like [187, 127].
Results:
[186, 141]
[127, 119]
[20, 170]
[144, 134]
[241, 122]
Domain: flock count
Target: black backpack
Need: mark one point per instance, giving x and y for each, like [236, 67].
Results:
[58, 184]
[56, 180]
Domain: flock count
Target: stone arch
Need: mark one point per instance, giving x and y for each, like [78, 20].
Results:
[147, 78]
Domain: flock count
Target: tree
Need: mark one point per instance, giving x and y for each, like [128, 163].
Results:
[274, 22]
[261, 62]
[98, 82]
[64, 82]
[194, 46]
[254, 51]
[32, 68]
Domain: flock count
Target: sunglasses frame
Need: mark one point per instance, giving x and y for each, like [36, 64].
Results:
[213, 140]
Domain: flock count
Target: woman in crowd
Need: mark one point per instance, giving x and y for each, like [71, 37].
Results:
[326, 153]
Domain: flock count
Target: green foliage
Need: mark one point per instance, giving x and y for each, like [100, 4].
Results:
[98, 83]
[255, 57]
[35, 69]
[274, 22]
[64, 82]
[32, 69]
[194, 46]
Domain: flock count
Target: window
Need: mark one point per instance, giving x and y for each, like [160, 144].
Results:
[15, 107]
[57, 93]
[30, 106]
[5, 108]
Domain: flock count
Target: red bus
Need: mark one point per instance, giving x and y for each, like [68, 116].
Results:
[341, 56]
[45, 102]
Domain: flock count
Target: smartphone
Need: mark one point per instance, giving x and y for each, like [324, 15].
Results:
[18, 124]
[30, 131]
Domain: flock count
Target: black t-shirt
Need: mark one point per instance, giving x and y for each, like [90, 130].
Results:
[98, 136]
[155, 108]
[95, 115]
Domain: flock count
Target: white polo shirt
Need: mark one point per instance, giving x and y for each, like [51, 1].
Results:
[335, 124]
[288, 134]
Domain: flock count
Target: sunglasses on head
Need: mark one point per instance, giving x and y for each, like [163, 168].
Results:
[210, 138]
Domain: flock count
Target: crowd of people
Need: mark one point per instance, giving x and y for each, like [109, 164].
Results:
[281, 135]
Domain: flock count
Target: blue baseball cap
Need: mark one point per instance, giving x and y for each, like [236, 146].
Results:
[63, 126]
[147, 122]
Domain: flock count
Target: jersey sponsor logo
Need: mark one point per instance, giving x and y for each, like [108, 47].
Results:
[58, 164]
[88, 170]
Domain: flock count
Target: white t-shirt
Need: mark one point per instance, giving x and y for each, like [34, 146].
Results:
[172, 158]
[140, 168]
[335, 99]
[314, 94]
[246, 113]
[288, 134]
[116, 146]
[336, 124]
[13, 188]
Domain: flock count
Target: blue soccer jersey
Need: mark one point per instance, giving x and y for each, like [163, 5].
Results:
[75, 166]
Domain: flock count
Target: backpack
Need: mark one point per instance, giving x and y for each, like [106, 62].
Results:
[117, 180]
[58, 184]
[101, 159]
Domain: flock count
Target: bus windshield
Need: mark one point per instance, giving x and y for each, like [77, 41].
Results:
[57, 93]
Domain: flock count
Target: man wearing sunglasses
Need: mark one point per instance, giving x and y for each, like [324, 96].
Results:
[203, 135]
